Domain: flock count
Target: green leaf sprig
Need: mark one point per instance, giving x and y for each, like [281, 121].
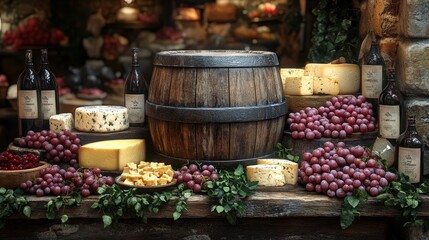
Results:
[12, 202]
[286, 153]
[407, 197]
[351, 207]
[114, 202]
[229, 191]
[61, 202]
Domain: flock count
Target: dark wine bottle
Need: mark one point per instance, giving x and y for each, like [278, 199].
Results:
[48, 90]
[372, 76]
[135, 92]
[29, 109]
[390, 110]
[409, 152]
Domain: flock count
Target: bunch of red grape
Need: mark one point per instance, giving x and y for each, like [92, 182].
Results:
[338, 171]
[340, 117]
[57, 181]
[10, 161]
[194, 177]
[59, 147]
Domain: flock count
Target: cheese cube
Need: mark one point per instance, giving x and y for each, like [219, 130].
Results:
[266, 175]
[112, 155]
[325, 86]
[298, 85]
[61, 122]
[290, 169]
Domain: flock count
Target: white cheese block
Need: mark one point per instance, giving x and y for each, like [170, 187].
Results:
[266, 175]
[291, 72]
[300, 86]
[290, 169]
[325, 86]
[347, 75]
[101, 118]
[61, 122]
[112, 155]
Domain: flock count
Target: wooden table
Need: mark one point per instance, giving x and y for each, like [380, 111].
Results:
[272, 213]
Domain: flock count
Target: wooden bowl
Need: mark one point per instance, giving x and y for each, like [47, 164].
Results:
[14, 178]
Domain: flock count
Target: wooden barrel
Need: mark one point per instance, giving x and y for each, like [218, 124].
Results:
[219, 107]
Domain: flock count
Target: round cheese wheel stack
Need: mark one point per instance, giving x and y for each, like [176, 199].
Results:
[101, 118]
[347, 75]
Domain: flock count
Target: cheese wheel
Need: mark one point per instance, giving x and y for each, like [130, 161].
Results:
[112, 155]
[325, 86]
[101, 118]
[291, 72]
[347, 75]
[266, 175]
[298, 85]
[290, 169]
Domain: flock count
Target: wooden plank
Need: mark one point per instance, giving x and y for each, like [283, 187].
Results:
[255, 228]
[278, 202]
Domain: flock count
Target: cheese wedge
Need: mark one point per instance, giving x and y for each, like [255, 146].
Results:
[112, 155]
[266, 175]
[290, 169]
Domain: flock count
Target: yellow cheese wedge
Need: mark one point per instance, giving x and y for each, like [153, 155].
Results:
[266, 175]
[290, 169]
[112, 155]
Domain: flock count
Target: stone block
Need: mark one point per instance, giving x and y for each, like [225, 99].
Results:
[413, 18]
[385, 18]
[413, 67]
[388, 49]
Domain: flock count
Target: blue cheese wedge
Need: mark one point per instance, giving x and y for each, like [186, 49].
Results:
[266, 175]
[61, 122]
[101, 118]
[290, 169]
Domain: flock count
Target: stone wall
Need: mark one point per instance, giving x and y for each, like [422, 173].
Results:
[403, 29]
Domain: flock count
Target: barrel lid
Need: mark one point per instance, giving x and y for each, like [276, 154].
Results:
[216, 58]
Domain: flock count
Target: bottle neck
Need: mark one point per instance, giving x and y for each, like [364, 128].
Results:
[134, 57]
[411, 124]
[29, 58]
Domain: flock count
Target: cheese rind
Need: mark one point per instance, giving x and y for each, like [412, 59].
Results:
[266, 175]
[325, 86]
[290, 169]
[61, 122]
[112, 155]
[298, 85]
[101, 118]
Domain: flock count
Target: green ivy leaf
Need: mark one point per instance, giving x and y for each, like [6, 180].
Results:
[219, 209]
[27, 211]
[107, 220]
[64, 218]
[176, 215]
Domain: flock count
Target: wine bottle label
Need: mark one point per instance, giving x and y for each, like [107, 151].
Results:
[48, 103]
[135, 104]
[27, 104]
[409, 160]
[372, 80]
[390, 121]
